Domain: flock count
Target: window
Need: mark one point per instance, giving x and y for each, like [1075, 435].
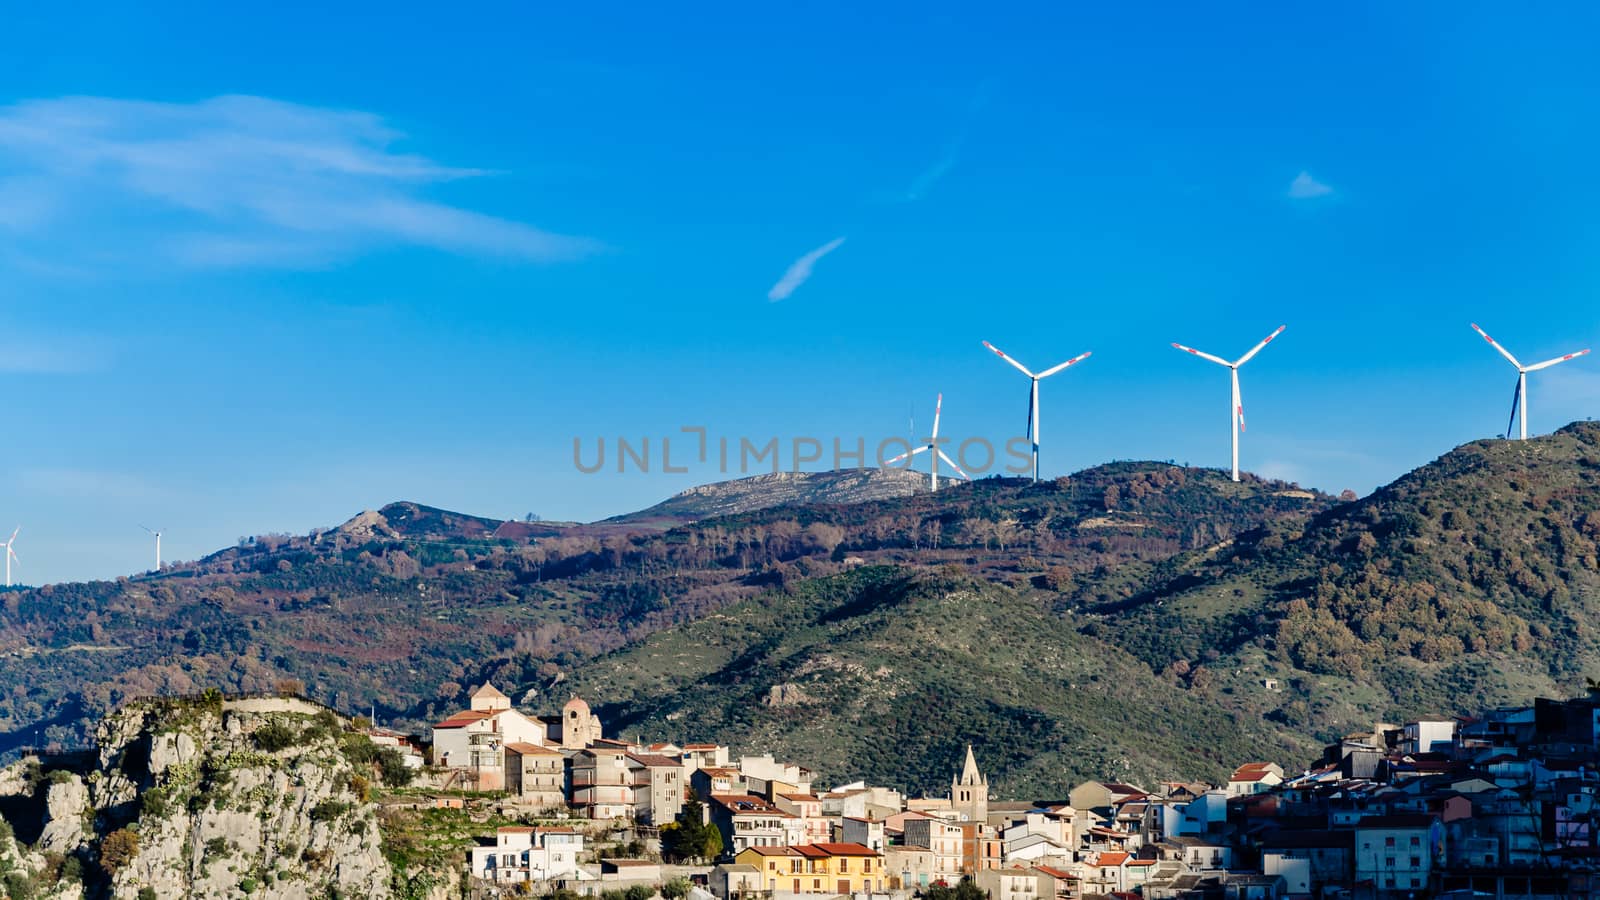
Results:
[1388, 842]
[1416, 841]
[1416, 863]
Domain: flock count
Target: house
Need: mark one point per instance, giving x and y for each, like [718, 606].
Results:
[522, 854]
[1254, 778]
[694, 756]
[807, 808]
[407, 746]
[981, 848]
[1015, 884]
[867, 832]
[943, 839]
[858, 799]
[708, 781]
[735, 879]
[1395, 853]
[536, 775]
[630, 871]
[473, 740]
[658, 788]
[767, 777]
[746, 820]
[821, 869]
[1198, 854]
[1308, 858]
[1252, 886]
[602, 783]
[1064, 883]
[1106, 873]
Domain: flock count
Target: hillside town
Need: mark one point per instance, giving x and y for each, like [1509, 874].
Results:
[1497, 805]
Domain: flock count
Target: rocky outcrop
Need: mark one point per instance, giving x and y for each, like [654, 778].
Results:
[200, 798]
[744, 495]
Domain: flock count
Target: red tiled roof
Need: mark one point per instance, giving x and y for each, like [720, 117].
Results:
[839, 849]
[464, 718]
[1053, 872]
[1114, 858]
[528, 749]
[700, 746]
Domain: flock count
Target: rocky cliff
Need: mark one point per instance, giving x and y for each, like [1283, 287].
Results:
[203, 797]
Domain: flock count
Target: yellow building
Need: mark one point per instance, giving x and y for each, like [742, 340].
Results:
[826, 869]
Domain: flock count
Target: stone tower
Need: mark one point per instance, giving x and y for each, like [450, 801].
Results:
[579, 726]
[969, 791]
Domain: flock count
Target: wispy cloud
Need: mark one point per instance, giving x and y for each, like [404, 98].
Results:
[1304, 187]
[233, 181]
[800, 271]
[934, 173]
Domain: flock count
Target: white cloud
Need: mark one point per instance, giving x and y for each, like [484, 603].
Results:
[800, 271]
[236, 180]
[1304, 187]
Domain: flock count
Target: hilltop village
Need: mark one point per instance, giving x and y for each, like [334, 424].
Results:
[1501, 804]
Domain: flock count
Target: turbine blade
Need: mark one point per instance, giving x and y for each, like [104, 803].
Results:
[938, 404]
[1216, 359]
[1257, 348]
[1076, 359]
[1560, 359]
[1503, 351]
[922, 449]
[15, 533]
[952, 464]
[1001, 353]
[1516, 396]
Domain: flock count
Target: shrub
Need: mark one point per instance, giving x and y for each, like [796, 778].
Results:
[118, 849]
[328, 810]
[675, 889]
[639, 892]
[274, 736]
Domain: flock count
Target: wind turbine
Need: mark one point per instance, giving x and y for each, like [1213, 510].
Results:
[11, 554]
[938, 454]
[157, 535]
[1033, 396]
[1519, 400]
[1236, 405]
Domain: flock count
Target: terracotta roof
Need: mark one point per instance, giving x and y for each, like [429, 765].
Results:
[1053, 872]
[802, 798]
[489, 690]
[515, 829]
[528, 749]
[464, 718]
[1114, 858]
[839, 849]
[700, 746]
[769, 851]
[746, 803]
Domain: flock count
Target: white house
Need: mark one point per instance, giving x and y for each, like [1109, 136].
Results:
[521, 854]
[1395, 852]
[474, 739]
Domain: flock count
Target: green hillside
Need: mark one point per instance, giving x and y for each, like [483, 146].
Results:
[886, 674]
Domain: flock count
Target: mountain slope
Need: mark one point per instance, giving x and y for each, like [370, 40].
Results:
[886, 673]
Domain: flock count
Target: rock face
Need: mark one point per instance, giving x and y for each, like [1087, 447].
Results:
[744, 495]
[208, 798]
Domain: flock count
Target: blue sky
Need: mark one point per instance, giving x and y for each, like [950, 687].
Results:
[261, 271]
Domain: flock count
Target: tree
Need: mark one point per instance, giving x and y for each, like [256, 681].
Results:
[675, 889]
[690, 838]
[639, 892]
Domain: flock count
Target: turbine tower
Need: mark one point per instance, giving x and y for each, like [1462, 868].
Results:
[938, 454]
[157, 536]
[11, 554]
[1033, 396]
[1235, 405]
[1519, 400]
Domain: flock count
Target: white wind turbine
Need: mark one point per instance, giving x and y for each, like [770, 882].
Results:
[11, 554]
[157, 536]
[1519, 400]
[1033, 396]
[1235, 405]
[933, 444]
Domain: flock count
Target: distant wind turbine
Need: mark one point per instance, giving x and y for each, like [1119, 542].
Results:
[157, 536]
[11, 554]
[938, 454]
[1519, 400]
[1033, 396]
[1236, 405]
